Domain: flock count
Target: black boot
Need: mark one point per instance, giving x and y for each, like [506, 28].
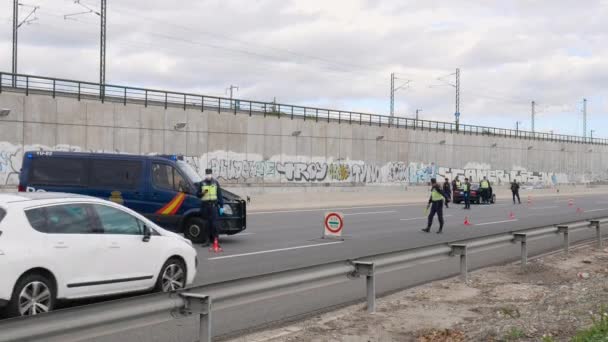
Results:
[428, 229]
[440, 230]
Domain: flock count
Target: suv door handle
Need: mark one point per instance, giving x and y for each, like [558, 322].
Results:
[114, 245]
[61, 245]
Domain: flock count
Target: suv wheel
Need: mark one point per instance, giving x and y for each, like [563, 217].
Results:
[33, 294]
[195, 229]
[172, 276]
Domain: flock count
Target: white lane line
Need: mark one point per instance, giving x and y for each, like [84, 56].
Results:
[540, 208]
[372, 212]
[244, 234]
[595, 210]
[329, 209]
[420, 218]
[495, 222]
[274, 250]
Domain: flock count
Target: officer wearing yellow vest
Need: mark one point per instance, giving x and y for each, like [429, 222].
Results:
[485, 189]
[436, 206]
[212, 203]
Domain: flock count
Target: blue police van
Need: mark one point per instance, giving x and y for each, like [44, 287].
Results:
[163, 188]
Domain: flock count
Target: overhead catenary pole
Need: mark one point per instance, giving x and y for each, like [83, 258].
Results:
[457, 113]
[102, 48]
[102, 39]
[394, 89]
[533, 119]
[15, 27]
[584, 118]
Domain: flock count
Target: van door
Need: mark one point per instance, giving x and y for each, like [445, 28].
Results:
[167, 193]
[118, 180]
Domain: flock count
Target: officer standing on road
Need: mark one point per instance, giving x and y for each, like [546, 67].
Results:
[436, 206]
[515, 191]
[447, 192]
[485, 189]
[212, 203]
[466, 189]
[456, 184]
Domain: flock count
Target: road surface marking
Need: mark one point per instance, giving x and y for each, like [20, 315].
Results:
[274, 250]
[420, 218]
[329, 209]
[540, 208]
[243, 234]
[595, 210]
[372, 212]
[495, 222]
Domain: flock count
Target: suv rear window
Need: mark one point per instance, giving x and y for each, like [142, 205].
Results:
[58, 171]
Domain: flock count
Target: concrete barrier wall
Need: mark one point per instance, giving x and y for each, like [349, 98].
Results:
[271, 151]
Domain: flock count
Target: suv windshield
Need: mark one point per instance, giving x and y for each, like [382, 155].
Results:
[189, 171]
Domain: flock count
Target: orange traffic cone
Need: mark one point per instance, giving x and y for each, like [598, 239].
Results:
[511, 216]
[216, 247]
[466, 221]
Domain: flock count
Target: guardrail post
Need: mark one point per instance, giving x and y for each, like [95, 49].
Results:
[1, 82]
[521, 237]
[53, 88]
[462, 251]
[316, 115]
[367, 269]
[199, 305]
[27, 85]
[184, 101]
[598, 232]
[564, 230]
[203, 104]
[219, 105]
[125, 97]
[339, 117]
[291, 112]
[166, 98]
[78, 91]
[146, 99]
[249, 108]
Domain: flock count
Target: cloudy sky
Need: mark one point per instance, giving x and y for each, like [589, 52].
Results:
[340, 53]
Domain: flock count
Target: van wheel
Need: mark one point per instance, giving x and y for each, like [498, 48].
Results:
[33, 294]
[196, 230]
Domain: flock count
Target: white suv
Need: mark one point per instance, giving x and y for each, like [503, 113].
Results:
[63, 246]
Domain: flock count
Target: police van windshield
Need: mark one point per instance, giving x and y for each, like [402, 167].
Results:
[189, 171]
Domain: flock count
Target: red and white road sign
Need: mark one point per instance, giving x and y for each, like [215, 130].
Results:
[333, 224]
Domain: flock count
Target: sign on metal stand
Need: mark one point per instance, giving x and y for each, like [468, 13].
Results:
[333, 223]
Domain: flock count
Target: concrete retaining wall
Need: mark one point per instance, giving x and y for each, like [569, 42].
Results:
[258, 151]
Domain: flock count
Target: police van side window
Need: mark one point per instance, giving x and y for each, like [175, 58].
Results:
[167, 177]
[115, 174]
[58, 171]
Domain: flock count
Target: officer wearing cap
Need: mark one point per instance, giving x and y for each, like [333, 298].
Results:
[212, 203]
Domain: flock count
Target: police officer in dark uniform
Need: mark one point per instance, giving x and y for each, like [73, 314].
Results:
[447, 192]
[212, 204]
[466, 188]
[436, 206]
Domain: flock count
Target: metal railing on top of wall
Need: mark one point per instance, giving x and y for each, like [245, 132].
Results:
[122, 94]
[91, 321]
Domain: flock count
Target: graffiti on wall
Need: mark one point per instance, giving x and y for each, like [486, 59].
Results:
[237, 168]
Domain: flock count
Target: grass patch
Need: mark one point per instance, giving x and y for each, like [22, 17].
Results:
[514, 334]
[598, 332]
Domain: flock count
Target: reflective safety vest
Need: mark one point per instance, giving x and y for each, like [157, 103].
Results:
[209, 192]
[485, 184]
[436, 195]
[465, 187]
[458, 184]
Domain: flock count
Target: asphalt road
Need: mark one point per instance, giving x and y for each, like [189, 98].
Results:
[278, 240]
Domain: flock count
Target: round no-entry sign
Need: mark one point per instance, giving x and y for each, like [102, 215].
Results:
[333, 224]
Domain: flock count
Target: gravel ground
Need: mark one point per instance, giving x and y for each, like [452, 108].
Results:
[554, 296]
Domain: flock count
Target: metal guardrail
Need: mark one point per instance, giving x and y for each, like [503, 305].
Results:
[103, 319]
[123, 94]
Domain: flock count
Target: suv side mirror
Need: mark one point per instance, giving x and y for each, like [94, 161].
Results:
[147, 234]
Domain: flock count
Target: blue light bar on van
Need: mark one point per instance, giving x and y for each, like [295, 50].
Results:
[174, 157]
[30, 156]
